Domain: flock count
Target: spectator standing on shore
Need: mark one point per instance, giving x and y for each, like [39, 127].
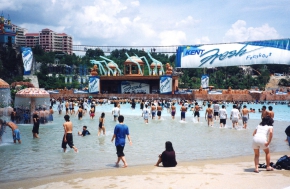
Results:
[235, 116]
[14, 128]
[245, 116]
[262, 137]
[120, 132]
[167, 157]
[216, 109]
[209, 115]
[223, 116]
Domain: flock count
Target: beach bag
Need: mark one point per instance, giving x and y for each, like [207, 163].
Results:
[283, 163]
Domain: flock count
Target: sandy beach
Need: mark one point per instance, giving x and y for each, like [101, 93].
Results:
[234, 172]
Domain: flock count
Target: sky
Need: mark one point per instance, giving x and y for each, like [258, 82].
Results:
[158, 22]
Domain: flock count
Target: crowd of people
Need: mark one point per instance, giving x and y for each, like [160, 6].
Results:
[151, 109]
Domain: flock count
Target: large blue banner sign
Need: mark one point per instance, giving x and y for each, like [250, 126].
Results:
[165, 85]
[234, 54]
[27, 58]
[94, 84]
[204, 81]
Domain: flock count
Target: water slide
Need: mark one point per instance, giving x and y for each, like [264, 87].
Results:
[111, 61]
[102, 70]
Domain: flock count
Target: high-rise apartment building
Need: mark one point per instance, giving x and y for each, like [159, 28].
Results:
[55, 42]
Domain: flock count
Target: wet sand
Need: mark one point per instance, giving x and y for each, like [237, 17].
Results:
[225, 173]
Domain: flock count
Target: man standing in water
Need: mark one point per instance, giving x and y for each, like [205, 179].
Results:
[196, 111]
[116, 112]
[183, 110]
[159, 109]
[153, 110]
[264, 112]
[67, 137]
[216, 109]
[223, 116]
[270, 113]
[173, 110]
[120, 132]
[235, 116]
[14, 128]
[209, 115]
[146, 113]
[245, 114]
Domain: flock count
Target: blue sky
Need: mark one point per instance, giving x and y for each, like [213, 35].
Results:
[158, 22]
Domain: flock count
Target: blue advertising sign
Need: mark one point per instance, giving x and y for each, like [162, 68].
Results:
[165, 85]
[94, 84]
[234, 54]
[27, 58]
[204, 81]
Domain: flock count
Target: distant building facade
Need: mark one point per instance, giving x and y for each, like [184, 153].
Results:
[50, 41]
[55, 42]
[7, 35]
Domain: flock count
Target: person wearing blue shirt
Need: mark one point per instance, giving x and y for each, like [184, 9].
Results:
[120, 132]
[85, 131]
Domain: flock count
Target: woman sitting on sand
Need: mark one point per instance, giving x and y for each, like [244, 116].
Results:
[101, 124]
[262, 138]
[168, 156]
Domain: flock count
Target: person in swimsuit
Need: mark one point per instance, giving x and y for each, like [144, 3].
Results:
[209, 115]
[35, 129]
[183, 109]
[80, 113]
[66, 107]
[101, 124]
[153, 110]
[196, 111]
[68, 137]
[146, 113]
[245, 114]
[159, 109]
[235, 116]
[13, 115]
[14, 128]
[92, 112]
[173, 110]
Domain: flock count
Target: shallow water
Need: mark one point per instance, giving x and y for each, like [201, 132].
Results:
[191, 141]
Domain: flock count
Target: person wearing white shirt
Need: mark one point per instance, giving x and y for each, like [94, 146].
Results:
[235, 116]
[223, 116]
[116, 112]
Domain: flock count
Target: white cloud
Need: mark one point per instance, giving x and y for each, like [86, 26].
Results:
[11, 5]
[135, 3]
[172, 37]
[240, 32]
[187, 22]
[202, 40]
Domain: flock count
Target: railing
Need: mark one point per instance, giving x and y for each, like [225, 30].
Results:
[108, 49]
